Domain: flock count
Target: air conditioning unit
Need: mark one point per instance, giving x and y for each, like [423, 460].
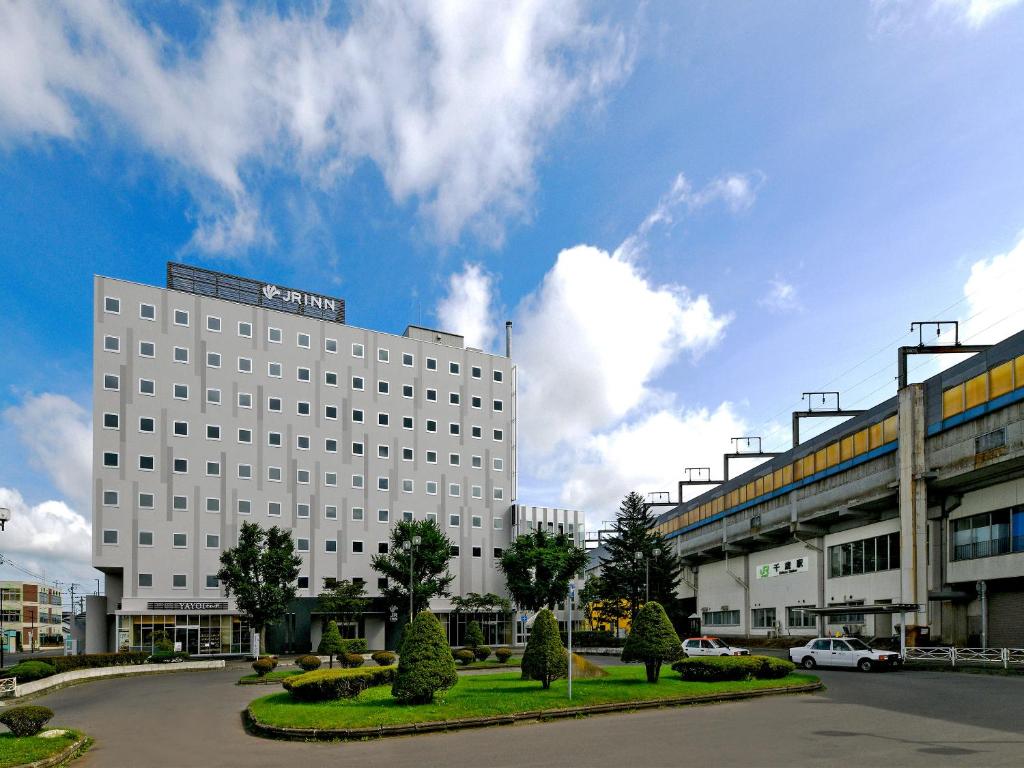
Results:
[724, 608]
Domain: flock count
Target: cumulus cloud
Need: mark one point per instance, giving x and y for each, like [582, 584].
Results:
[591, 338]
[451, 101]
[466, 308]
[994, 309]
[780, 296]
[48, 539]
[57, 433]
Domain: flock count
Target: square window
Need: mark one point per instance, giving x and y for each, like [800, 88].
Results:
[244, 365]
[357, 513]
[274, 404]
[330, 478]
[147, 463]
[331, 445]
[302, 339]
[147, 311]
[302, 582]
[408, 360]
[147, 387]
[112, 305]
[476, 432]
[407, 390]
[274, 335]
[454, 520]
[431, 425]
[476, 492]
[147, 349]
[454, 489]
[302, 442]
[431, 364]
[331, 345]
[302, 510]
[244, 507]
[245, 400]
[475, 371]
[382, 484]
[382, 547]
[179, 581]
[431, 487]
[383, 388]
[110, 459]
[477, 521]
[274, 370]
[213, 468]
[181, 317]
[181, 429]
[407, 454]
[357, 481]
[454, 550]
[330, 378]
[407, 486]
[111, 381]
[179, 540]
[213, 323]
[383, 515]
[302, 408]
[357, 415]
[382, 419]
[407, 422]
[383, 451]
[357, 350]
[431, 395]
[453, 459]
[330, 512]
[145, 538]
[357, 449]
[111, 421]
[432, 517]
[211, 581]
[330, 545]
[110, 498]
[431, 457]
[498, 553]
[213, 396]
[112, 343]
[212, 541]
[274, 508]
[302, 374]
[245, 330]
[383, 356]
[453, 369]
[245, 471]
[274, 439]
[357, 383]
[245, 436]
[331, 412]
[453, 428]
[475, 402]
[180, 391]
[453, 398]
[498, 435]
[302, 476]
[357, 547]
[213, 504]
[179, 503]
[477, 462]
[476, 552]
[146, 500]
[497, 376]
[213, 359]
[498, 525]
[180, 466]
[145, 579]
[498, 464]
[498, 405]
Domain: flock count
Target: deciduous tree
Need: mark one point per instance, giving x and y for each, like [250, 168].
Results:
[538, 567]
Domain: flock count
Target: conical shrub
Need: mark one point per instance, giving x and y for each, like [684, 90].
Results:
[652, 640]
[545, 658]
[426, 665]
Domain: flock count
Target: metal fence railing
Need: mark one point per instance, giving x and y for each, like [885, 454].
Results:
[954, 656]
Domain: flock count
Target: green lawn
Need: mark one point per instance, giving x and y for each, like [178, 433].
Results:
[491, 664]
[485, 695]
[28, 749]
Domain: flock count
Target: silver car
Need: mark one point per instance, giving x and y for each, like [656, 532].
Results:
[842, 652]
[711, 646]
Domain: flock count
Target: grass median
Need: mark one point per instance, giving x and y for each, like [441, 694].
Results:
[16, 750]
[491, 695]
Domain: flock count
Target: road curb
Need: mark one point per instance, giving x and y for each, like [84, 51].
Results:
[257, 728]
[60, 758]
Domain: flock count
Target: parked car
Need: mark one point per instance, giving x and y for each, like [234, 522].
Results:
[711, 646]
[843, 652]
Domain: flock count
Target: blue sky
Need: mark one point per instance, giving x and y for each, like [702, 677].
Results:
[692, 211]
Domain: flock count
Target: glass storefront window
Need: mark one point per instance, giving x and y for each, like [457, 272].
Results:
[198, 634]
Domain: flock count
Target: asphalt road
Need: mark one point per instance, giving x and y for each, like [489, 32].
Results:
[885, 719]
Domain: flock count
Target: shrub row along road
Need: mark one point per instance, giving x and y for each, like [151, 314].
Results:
[905, 719]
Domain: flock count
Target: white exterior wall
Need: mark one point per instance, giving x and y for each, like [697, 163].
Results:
[881, 586]
[718, 589]
[787, 589]
[1001, 566]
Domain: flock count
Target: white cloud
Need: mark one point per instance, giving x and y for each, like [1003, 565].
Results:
[646, 455]
[466, 308]
[780, 297]
[591, 338]
[897, 16]
[994, 309]
[57, 432]
[973, 13]
[452, 101]
[51, 531]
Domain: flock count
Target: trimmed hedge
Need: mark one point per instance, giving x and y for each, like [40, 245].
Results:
[351, 660]
[503, 654]
[26, 721]
[331, 684]
[385, 658]
[264, 665]
[167, 657]
[95, 660]
[593, 639]
[464, 656]
[482, 652]
[354, 645]
[27, 671]
[715, 669]
[308, 662]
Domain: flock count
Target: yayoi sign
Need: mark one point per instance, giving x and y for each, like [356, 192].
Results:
[185, 605]
[287, 295]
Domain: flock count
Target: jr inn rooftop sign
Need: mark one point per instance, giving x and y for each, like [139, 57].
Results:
[296, 297]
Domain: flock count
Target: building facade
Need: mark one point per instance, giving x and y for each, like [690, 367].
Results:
[31, 616]
[220, 399]
[908, 516]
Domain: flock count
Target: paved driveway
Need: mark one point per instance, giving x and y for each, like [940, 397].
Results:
[893, 719]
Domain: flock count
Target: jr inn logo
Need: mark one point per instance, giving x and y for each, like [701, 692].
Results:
[272, 292]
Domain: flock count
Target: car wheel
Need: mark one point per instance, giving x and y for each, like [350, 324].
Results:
[808, 663]
[723, 655]
[865, 665]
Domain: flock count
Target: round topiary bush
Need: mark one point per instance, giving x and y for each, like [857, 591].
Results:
[503, 654]
[264, 665]
[425, 665]
[465, 656]
[482, 652]
[26, 721]
[27, 671]
[545, 658]
[652, 640]
[308, 662]
[351, 660]
[384, 658]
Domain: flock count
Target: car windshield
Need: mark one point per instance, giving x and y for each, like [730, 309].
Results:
[858, 645]
[716, 643]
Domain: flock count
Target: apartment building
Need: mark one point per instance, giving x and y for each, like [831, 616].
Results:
[30, 616]
[220, 399]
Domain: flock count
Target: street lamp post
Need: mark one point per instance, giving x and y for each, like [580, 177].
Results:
[656, 552]
[409, 546]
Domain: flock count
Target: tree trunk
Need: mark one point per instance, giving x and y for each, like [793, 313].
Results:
[653, 671]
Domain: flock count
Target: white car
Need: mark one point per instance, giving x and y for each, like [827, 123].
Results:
[842, 652]
[711, 646]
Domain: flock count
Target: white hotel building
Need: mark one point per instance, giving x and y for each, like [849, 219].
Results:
[221, 399]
